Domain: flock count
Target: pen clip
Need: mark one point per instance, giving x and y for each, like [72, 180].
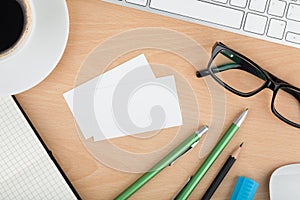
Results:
[191, 147]
[174, 198]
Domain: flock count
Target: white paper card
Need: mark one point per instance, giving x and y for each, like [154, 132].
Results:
[125, 101]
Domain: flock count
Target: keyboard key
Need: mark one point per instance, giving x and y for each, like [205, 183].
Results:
[255, 23]
[221, 1]
[201, 10]
[293, 26]
[277, 8]
[293, 37]
[294, 12]
[139, 2]
[239, 3]
[258, 5]
[276, 28]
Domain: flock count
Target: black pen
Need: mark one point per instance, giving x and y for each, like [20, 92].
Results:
[221, 175]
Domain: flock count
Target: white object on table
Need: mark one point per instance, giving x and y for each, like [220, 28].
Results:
[285, 183]
[27, 171]
[124, 101]
[41, 52]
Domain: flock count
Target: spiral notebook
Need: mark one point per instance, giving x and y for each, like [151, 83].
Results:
[27, 168]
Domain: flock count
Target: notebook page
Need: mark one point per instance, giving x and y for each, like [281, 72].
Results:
[26, 170]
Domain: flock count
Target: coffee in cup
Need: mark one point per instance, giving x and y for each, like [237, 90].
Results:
[15, 23]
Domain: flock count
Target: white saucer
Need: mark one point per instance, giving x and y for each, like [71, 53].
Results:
[41, 52]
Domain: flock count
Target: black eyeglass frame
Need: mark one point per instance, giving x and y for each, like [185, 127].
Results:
[271, 82]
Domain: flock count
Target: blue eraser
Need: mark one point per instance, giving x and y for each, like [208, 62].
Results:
[244, 189]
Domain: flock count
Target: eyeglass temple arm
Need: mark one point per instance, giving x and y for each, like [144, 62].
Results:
[221, 68]
[228, 66]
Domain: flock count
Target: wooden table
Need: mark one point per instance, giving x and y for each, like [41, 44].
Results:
[269, 143]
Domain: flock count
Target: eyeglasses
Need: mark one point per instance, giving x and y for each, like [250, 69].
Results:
[243, 77]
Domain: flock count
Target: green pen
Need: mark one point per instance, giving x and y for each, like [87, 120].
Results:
[194, 180]
[168, 160]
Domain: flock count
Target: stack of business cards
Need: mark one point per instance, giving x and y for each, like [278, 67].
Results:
[126, 100]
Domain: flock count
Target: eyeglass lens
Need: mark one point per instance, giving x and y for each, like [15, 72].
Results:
[236, 72]
[287, 104]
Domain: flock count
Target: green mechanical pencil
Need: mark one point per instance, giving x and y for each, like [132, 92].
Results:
[168, 160]
[194, 180]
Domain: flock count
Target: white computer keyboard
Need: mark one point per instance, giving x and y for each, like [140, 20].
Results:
[272, 20]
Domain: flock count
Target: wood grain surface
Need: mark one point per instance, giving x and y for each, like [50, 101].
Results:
[269, 143]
